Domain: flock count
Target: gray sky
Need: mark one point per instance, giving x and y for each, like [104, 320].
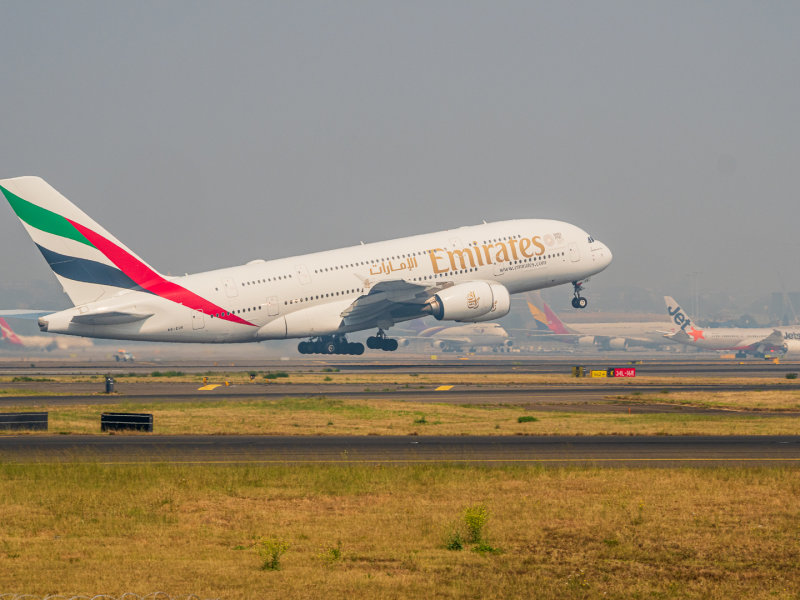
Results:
[204, 135]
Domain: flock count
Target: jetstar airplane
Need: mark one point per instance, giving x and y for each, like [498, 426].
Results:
[464, 274]
[759, 342]
[12, 340]
[604, 336]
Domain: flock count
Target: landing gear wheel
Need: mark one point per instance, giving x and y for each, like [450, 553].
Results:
[578, 301]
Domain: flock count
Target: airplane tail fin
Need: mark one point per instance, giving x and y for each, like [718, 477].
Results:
[555, 324]
[88, 261]
[548, 318]
[677, 315]
[8, 334]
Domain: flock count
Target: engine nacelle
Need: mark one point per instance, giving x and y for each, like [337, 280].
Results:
[617, 344]
[471, 302]
[501, 304]
[791, 347]
[586, 341]
[438, 344]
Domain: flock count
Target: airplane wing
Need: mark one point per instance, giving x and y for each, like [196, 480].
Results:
[389, 302]
[774, 339]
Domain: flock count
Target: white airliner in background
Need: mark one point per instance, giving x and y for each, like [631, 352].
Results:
[759, 342]
[456, 338]
[464, 274]
[604, 336]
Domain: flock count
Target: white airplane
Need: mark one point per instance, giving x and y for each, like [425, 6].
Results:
[12, 340]
[457, 337]
[604, 336]
[759, 342]
[464, 274]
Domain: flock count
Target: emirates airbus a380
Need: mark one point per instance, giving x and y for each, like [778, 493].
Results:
[464, 274]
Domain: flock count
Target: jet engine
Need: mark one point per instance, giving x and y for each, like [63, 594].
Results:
[586, 341]
[617, 344]
[470, 302]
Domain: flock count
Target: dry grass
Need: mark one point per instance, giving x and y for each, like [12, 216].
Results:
[772, 400]
[333, 416]
[561, 533]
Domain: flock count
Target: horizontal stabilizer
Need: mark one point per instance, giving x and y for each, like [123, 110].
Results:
[26, 313]
[110, 318]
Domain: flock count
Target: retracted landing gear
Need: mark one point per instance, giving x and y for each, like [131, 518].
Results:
[330, 344]
[381, 342]
[578, 301]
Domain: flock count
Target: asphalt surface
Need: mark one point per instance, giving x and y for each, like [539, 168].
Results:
[585, 396]
[605, 451]
[502, 363]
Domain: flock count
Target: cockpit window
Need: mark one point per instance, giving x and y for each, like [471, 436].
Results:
[591, 240]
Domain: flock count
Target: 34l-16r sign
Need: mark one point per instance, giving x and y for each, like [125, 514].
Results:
[625, 372]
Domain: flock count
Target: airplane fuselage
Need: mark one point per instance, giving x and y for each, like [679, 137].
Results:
[306, 295]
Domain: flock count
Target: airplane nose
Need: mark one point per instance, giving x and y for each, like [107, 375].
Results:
[605, 255]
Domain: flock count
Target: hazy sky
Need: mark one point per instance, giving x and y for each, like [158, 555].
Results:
[205, 135]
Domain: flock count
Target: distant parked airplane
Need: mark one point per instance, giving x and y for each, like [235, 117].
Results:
[465, 274]
[458, 338]
[758, 342]
[605, 336]
[14, 341]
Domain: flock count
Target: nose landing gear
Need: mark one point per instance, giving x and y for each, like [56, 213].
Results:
[578, 301]
[381, 342]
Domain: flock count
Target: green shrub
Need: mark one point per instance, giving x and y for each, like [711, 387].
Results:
[527, 419]
[475, 518]
[454, 540]
[276, 374]
[791, 376]
[270, 551]
[332, 554]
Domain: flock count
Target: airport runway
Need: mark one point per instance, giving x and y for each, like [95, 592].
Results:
[603, 451]
[586, 396]
[578, 395]
[506, 363]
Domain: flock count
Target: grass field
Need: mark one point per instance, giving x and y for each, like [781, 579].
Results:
[773, 400]
[372, 532]
[334, 416]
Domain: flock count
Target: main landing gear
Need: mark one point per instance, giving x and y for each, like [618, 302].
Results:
[578, 301]
[381, 342]
[330, 344]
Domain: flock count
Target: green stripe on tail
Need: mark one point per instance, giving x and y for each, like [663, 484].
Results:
[43, 219]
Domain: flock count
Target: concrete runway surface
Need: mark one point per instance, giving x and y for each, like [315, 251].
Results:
[605, 451]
